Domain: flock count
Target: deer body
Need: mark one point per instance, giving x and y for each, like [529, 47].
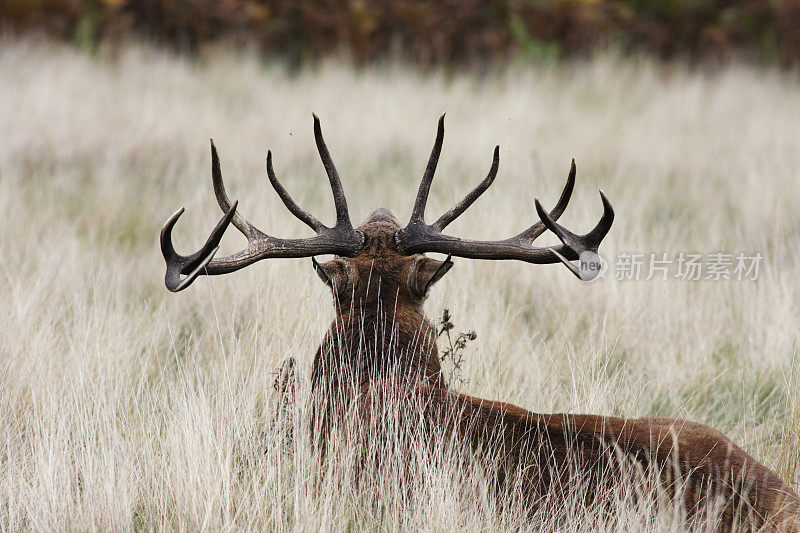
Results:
[552, 452]
[381, 345]
[385, 347]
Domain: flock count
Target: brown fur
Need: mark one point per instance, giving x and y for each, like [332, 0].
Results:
[381, 336]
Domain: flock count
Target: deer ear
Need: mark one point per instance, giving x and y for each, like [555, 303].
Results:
[425, 272]
[337, 274]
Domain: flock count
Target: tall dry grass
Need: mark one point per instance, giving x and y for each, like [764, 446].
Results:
[124, 406]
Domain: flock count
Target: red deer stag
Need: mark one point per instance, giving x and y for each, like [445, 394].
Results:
[381, 339]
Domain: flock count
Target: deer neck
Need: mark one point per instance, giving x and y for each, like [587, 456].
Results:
[378, 339]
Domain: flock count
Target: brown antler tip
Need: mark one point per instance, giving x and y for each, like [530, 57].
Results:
[316, 118]
[572, 165]
[441, 118]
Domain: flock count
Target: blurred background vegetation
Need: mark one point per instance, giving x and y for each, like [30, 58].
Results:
[441, 32]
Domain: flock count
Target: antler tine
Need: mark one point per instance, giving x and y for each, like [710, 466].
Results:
[339, 200]
[604, 226]
[224, 202]
[539, 227]
[418, 214]
[195, 263]
[341, 239]
[420, 237]
[470, 198]
[309, 219]
[580, 243]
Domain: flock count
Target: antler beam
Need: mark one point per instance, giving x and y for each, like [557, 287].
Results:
[341, 239]
[420, 237]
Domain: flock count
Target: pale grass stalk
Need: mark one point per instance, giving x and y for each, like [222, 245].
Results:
[125, 407]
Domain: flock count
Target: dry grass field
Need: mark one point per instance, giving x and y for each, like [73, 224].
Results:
[123, 406]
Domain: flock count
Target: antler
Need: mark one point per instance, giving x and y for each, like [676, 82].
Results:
[341, 239]
[420, 237]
